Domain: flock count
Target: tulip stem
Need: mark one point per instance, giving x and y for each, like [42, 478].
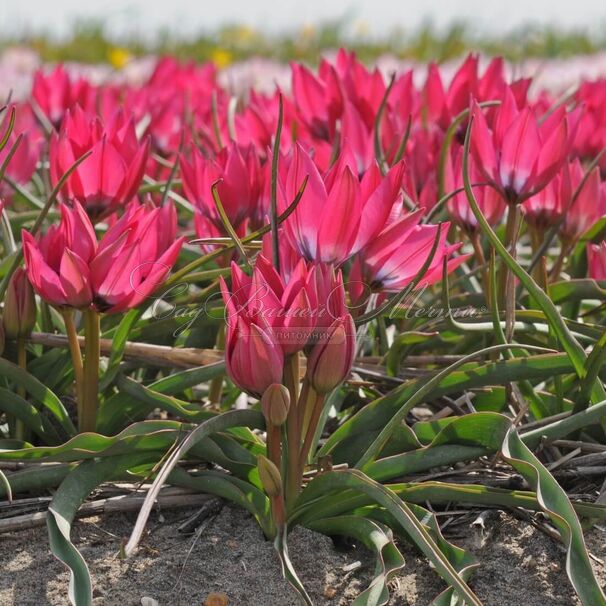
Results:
[536, 240]
[273, 445]
[216, 385]
[20, 433]
[76, 353]
[476, 242]
[556, 270]
[293, 430]
[92, 353]
[508, 291]
[315, 405]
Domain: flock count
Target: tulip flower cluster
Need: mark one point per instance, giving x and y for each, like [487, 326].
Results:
[317, 213]
[367, 177]
[270, 321]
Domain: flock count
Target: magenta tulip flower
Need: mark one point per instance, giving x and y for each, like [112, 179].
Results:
[445, 103]
[489, 200]
[240, 178]
[338, 214]
[69, 268]
[391, 261]
[56, 93]
[319, 101]
[287, 311]
[19, 315]
[521, 154]
[591, 136]
[589, 206]
[330, 360]
[110, 177]
[25, 158]
[545, 209]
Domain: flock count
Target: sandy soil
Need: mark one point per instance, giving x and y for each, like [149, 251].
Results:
[520, 565]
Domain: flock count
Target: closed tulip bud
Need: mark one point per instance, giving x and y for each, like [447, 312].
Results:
[331, 359]
[596, 261]
[19, 306]
[275, 404]
[269, 475]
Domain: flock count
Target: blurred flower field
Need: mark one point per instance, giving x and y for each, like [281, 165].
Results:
[347, 289]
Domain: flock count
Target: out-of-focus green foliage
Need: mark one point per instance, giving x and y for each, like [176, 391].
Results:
[91, 43]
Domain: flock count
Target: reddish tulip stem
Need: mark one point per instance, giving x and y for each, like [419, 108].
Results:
[278, 512]
[20, 433]
[536, 239]
[303, 415]
[273, 445]
[556, 270]
[315, 405]
[74, 348]
[216, 385]
[481, 261]
[92, 353]
[508, 291]
[293, 430]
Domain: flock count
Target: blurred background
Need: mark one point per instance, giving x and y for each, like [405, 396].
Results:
[291, 29]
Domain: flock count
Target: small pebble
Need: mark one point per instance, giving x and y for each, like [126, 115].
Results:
[529, 562]
[216, 599]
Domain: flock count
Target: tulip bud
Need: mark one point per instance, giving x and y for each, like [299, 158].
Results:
[331, 359]
[269, 475]
[19, 306]
[275, 404]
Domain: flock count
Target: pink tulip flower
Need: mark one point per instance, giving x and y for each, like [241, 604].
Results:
[23, 163]
[338, 214]
[391, 260]
[589, 206]
[545, 209]
[286, 311]
[489, 200]
[19, 314]
[319, 100]
[56, 93]
[521, 154]
[240, 184]
[69, 268]
[590, 139]
[110, 177]
[445, 103]
[331, 358]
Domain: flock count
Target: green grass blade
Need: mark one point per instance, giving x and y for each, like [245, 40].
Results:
[379, 539]
[234, 418]
[379, 442]
[62, 510]
[556, 504]
[39, 392]
[568, 341]
[119, 339]
[357, 480]
[348, 443]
